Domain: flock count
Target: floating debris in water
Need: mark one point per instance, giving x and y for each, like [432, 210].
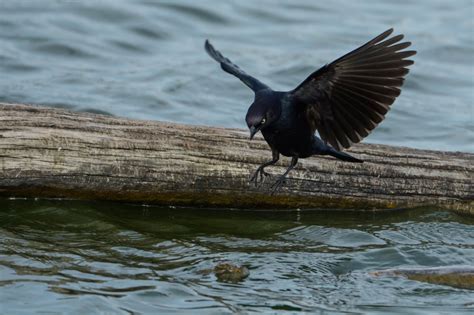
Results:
[455, 276]
[228, 272]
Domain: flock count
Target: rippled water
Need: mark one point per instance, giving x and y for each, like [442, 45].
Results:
[145, 59]
[86, 258]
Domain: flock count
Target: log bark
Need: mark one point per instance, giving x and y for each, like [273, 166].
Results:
[46, 152]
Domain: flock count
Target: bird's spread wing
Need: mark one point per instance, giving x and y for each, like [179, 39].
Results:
[346, 99]
[231, 68]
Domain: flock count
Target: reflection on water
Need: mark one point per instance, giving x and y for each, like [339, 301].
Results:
[145, 59]
[106, 257]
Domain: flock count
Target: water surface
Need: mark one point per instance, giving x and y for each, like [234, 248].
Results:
[86, 258]
[145, 59]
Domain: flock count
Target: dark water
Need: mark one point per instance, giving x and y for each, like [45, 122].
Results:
[90, 258]
[145, 59]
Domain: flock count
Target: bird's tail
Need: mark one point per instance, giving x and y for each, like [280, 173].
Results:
[342, 156]
[319, 147]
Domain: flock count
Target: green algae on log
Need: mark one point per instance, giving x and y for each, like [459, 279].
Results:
[46, 152]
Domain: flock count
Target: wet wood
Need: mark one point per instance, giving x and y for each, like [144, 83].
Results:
[455, 276]
[47, 152]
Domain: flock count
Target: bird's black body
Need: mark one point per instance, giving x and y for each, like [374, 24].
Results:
[343, 101]
[291, 134]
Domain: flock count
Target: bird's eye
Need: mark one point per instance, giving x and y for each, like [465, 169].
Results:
[263, 121]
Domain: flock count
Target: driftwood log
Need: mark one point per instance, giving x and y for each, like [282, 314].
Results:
[455, 276]
[56, 153]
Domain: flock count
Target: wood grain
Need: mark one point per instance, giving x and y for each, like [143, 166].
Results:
[46, 152]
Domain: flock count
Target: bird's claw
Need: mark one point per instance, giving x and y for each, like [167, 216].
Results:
[277, 185]
[258, 177]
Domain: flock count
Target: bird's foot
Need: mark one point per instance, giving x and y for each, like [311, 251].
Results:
[258, 177]
[277, 185]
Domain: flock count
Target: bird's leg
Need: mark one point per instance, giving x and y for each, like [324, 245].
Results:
[260, 174]
[281, 180]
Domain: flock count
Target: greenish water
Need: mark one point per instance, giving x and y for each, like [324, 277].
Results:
[92, 258]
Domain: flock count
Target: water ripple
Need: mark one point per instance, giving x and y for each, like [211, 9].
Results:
[104, 45]
[162, 259]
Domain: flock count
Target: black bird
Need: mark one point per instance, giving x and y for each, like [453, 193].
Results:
[343, 100]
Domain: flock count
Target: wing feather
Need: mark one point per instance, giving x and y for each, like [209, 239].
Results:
[229, 67]
[353, 93]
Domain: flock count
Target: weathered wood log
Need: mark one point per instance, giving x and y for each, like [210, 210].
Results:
[455, 276]
[47, 152]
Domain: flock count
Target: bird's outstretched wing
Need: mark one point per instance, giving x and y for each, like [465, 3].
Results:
[346, 99]
[231, 68]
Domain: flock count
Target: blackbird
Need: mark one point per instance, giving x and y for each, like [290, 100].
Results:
[343, 100]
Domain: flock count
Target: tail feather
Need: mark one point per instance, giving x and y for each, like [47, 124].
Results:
[343, 156]
[319, 147]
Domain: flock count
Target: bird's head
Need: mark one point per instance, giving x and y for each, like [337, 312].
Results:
[262, 113]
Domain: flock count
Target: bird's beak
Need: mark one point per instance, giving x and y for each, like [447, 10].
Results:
[253, 131]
